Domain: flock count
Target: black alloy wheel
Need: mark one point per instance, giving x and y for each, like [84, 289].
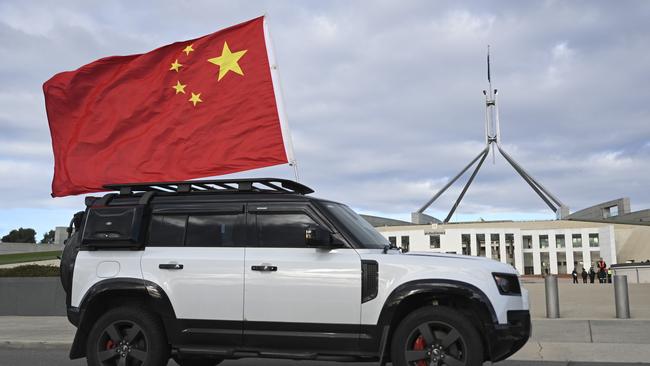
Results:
[127, 336]
[436, 336]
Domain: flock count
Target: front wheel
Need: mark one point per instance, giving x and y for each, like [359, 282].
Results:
[436, 336]
[127, 336]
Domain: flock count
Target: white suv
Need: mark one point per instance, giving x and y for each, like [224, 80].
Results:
[203, 271]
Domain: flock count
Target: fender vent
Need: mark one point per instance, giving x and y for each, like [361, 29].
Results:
[369, 280]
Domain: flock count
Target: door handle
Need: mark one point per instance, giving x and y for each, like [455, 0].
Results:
[264, 268]
[170, 266]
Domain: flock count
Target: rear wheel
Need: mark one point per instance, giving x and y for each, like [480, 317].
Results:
[127, 336]
[436, 336]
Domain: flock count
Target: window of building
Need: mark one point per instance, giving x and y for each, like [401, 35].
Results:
[405, 243]
[495, 244]
[576, 239]
[480, 240]
[528, 241]
[465, 240]
[593, 240]
[545, 262]
[283, 230]
[610, 211]
[434, 241]
[529, 268]
[543, 241]
[392, 240]
[510, 249]
[559, 241]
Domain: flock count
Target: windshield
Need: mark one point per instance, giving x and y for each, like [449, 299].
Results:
[355, 225]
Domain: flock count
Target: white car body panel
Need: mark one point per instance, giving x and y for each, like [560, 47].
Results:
[310, 286]
[91, 267]
[210, 286]
[396, 269]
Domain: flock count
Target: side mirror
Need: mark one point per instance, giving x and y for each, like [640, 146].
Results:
[318, 237]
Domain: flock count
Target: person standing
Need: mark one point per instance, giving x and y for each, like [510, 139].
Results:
[574, 274]
[592, 274]
[584, 275]
[609, 275]
[602, 270]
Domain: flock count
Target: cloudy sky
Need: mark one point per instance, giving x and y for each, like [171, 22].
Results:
[383, 97]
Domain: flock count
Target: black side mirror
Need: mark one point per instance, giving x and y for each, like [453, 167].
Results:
[318, 237]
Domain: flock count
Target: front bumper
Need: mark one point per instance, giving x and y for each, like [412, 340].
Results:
[506, 339]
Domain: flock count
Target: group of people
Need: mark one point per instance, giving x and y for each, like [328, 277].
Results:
[604, 273]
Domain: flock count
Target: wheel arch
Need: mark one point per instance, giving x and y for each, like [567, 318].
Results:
[461, 296]
[113, 292]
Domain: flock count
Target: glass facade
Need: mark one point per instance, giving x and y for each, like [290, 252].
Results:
[593, 241]
[576, 239]
[559, 241]
[543, 241]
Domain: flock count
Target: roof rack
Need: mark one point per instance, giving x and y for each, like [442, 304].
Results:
[258, 185]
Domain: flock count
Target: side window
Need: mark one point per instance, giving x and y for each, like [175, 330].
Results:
[167, 230]
[215, 230]
[283, 230]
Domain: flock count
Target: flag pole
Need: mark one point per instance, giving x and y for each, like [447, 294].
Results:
[279, 97]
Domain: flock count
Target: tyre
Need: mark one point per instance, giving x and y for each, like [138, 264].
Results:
[436, 336]
[127, 336]
[197, 361]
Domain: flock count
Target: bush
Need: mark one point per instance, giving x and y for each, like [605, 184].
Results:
[30, 270]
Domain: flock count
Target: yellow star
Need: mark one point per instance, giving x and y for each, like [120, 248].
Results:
[188, 49]
[175, 66]
[180, 88]
[196, 98]
[228, 61]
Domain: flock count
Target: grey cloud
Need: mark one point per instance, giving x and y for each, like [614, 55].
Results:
[384, 98]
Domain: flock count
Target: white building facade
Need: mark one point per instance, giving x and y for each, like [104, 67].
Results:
[533, 248]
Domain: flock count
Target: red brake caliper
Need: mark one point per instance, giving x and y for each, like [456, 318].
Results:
[419, 345]
[110, 344]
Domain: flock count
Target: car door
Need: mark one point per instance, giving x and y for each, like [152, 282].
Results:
[297, 297]
[195, 252]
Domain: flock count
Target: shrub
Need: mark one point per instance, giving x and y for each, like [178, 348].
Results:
[30, 270]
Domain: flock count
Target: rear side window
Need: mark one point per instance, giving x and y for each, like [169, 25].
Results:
[167, 230]
[283, 230]
[177, 230]
[214, 231]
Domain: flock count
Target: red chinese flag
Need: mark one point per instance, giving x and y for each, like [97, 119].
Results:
[191, 109]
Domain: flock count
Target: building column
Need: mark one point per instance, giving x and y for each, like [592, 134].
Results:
[473, 250]
[502, 247]
[519, 251]
[488, 245]
[552, 252]
[537, 260]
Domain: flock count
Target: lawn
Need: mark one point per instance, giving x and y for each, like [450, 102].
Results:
[28, 257]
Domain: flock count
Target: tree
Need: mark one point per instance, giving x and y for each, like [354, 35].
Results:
[48, 237]
[20, 235]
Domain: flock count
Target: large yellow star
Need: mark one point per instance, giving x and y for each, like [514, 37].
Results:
[180, 88]
[228, 61]
[196, 98]
[175, 66]
[188, 49]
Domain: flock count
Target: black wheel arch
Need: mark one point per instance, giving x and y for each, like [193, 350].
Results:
[461, 296]
[114, 292]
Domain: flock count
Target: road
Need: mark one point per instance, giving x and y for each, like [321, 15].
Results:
[58, 357]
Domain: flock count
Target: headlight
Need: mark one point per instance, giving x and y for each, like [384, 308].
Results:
[507, 283]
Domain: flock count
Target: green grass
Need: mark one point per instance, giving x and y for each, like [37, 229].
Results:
[28, 257]
[30, 270]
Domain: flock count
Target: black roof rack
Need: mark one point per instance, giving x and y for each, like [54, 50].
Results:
[261, 185]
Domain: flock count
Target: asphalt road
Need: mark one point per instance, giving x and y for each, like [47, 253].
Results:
[40, 357]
